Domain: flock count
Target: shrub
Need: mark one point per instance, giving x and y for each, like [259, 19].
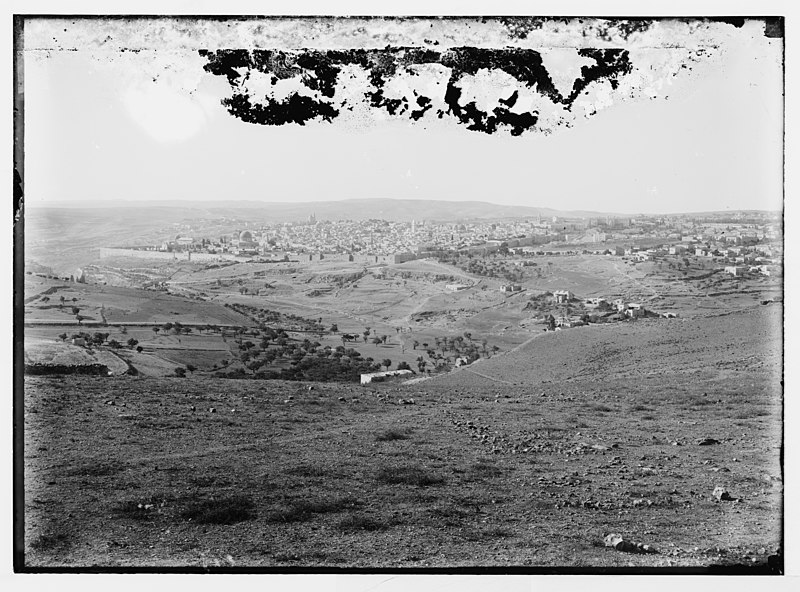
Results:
[483, 469]
[58, 537]
[390, 435]
[100, 469]
[307, 471]
[227, 510]
[408, 475]
[133, 510]
[354, 523]
[303, 510]
[496, 532]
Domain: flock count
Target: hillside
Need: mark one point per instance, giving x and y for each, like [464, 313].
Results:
[531, 465]
[706, 347]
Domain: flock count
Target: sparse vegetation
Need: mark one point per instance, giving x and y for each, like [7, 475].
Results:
[224, 510]
[392, 435]
[409, 475]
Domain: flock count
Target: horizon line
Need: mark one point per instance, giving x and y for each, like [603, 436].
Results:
[172, 202]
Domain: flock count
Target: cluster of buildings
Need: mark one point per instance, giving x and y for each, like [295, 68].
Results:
[587, 306]
[738, 237]
[735, 254]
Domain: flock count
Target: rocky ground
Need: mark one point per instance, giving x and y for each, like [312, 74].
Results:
[507, 468]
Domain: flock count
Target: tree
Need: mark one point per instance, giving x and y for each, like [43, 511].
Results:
[403, 366]
[415, 343]
[132, 342]
[75, 310]
[191, 368]
[114, 344]
[156, 330]
[62, 299]
[63, 337]
[377, 340]
[384, 338]
[334, 328]
[387, 362]
[79, 318]
[139, 348]
[180, 372]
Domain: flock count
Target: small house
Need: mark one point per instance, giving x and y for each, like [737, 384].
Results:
[508, 288]
[635, 310]
[735, 270]
[562, 296]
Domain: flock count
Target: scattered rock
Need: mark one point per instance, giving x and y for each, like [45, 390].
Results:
[342, 399]
[720, 494]
[707, 442]
[620, 544]
[212, 409]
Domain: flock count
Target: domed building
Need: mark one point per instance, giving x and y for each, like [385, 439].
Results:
[246, 243]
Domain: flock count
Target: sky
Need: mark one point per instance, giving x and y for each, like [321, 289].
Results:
[104, 124]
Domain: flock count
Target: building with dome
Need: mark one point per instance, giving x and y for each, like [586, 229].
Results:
[244, 243]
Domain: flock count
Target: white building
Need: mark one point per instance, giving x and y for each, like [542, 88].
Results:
[381, 376]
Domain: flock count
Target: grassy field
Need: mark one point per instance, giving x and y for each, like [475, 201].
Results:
[529, 459]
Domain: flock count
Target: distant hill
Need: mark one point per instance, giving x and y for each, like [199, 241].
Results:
[399, 210]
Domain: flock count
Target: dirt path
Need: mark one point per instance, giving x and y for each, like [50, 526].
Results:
[636, 282]
[470, 368]
[486, 376]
